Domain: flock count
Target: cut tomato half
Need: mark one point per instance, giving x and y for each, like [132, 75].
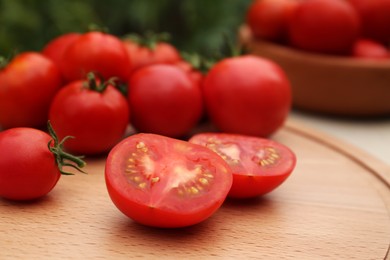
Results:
[259, 165]
[164, 182]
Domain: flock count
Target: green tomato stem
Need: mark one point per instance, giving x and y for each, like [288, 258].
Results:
[98, 84]
[149, 39]
[3, 62]
[63, 158]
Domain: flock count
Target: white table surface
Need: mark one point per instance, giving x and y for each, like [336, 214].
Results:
[370, 135]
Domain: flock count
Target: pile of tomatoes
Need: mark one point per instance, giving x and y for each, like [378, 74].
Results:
[92, 87]
[354, 28]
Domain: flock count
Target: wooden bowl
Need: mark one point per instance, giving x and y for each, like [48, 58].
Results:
[329, 84]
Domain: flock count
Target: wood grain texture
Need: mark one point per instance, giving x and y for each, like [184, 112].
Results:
[335, 205]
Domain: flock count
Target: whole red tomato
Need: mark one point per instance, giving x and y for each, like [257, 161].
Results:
[247, 95]
[370, 49]
[164, 182]
[95, 113]
[55, 49]
[375, 16]
[325, 26]
[28, 85]
[268, 19]
[102, 53]
[164, 100]
[158, 53]
[28, 168]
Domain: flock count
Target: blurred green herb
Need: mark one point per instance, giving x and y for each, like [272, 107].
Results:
[195, 25]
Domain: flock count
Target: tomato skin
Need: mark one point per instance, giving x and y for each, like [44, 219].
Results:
[375, 16]
[258, 165]
[247, 95]
[324, 26]
[159, 203]
[141, 56]
[268, 19]
[247, 186]
[98, 52]
[27, 169]
[193, 73]
[96, 120]
[28, 84]
[370, 49]
[164, 100]
[55, 49]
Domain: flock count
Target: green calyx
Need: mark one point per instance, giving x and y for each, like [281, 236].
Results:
[149, 39]
[3, 62]
[63, 158]
[203, 64]
[97, 83]
[97, 28]
[198, 62]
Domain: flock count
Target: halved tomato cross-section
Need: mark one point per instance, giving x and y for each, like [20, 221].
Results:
[165, 182]
[259, 165]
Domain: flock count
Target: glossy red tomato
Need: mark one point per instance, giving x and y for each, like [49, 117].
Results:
[247, 95]
[161, 53]
[55, 49]
[99, 52]
[28, 169]
[375, 16]
[258, 165]
[164, 182]
[268, 19]
[164, 100]
[97, 116]
[27, 86]
[370, 49]
[194, 74]
[325, 26]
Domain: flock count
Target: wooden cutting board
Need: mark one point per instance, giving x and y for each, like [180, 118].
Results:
[335, 205]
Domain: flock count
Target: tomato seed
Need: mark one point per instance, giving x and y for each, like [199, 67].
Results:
[155, 179]
[141, 146]
[204, 181]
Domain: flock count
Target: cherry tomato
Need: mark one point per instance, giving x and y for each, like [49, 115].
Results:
[28, 168]
[55, 49]
[375, 16]
[268, 19]
[164, 100]
[95, 113]
[28, 85]
[194, 74]
[370, 49]
[325, 26]
[259, 165]
[164, 182]
[247, 95]
[101, 53]
[160, 53]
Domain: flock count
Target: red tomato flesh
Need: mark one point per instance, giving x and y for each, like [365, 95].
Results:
[259, 165]
[164, 182]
